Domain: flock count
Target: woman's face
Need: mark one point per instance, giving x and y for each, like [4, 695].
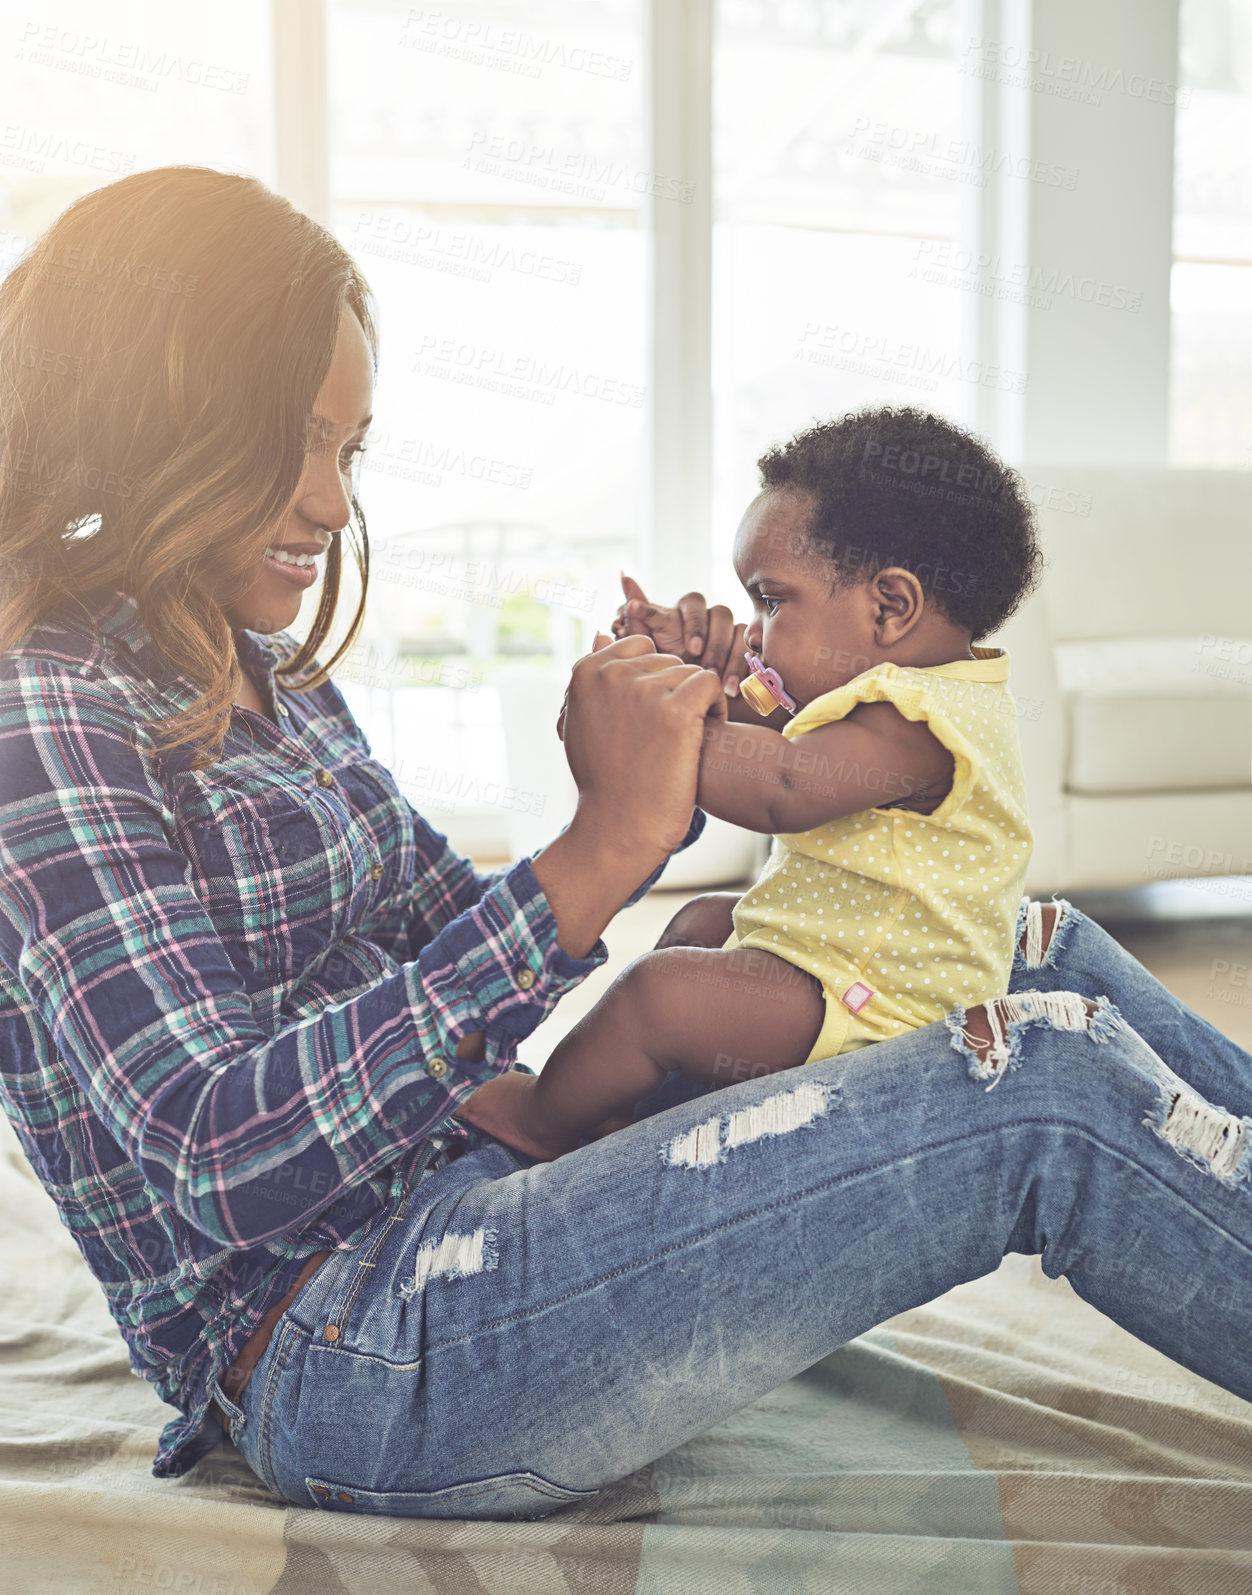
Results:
[320, 506]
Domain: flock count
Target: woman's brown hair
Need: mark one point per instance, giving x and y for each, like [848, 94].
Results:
[161, 348]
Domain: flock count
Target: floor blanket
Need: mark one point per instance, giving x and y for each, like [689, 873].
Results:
[1007, 1439]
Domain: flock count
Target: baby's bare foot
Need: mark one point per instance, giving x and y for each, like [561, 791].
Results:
[504, 1108]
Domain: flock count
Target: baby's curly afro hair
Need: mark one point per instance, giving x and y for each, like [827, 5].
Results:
[899, 486]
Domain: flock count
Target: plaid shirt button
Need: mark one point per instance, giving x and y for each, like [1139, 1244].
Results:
[324, 778]
[436, 1067]
[524, 977]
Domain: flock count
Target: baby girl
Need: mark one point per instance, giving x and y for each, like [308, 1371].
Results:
[884, 762]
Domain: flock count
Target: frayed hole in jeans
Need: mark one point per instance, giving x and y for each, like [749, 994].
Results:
[990, 1055]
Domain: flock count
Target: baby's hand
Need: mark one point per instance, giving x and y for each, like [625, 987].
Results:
[697, 633]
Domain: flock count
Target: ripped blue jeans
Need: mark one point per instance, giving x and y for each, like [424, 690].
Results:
[511, 1335]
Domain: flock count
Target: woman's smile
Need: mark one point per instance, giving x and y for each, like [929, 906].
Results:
[297, 567]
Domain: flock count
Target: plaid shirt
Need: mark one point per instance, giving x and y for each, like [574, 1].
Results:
[230, 999]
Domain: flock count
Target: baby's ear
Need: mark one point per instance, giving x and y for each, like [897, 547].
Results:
[899, 603]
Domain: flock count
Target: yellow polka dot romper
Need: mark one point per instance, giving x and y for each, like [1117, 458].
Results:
[919, 909]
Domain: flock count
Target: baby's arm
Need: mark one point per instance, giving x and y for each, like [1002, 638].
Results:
[759, 779]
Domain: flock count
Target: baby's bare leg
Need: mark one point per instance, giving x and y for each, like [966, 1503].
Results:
[724, 1014]
[721, 1015]
[705, 921]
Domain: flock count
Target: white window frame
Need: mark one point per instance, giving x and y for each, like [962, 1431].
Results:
[676, 554]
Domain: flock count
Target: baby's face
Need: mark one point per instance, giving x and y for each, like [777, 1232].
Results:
[815, 639]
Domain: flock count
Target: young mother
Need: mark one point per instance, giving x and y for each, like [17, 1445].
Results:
[244, 987]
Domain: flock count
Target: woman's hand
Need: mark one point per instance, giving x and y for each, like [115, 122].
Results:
[633, 726]
[690, 630]
[600, 641]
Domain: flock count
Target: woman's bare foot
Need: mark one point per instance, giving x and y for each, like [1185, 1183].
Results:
[503, 1106]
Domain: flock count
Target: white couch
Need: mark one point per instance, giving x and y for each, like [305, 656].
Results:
[1132, 670]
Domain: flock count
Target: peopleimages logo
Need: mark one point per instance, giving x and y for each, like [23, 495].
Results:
[519, 376]
[114, 268]
[429, 462]
[456, 251]
[52, 362]
[126, 62]
[33, 472]
[949, 266]
[914, 364]
[959, 159]
[912, 462]
[545, 166]
[1064, 76]
[30, 151]
[488, 43]
[1191, 856]
[475, 581]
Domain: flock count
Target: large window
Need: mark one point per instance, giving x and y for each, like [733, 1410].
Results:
[1211, 288]
[486, 160]
[490, 163]
[837, 213]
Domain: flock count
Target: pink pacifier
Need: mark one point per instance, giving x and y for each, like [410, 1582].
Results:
[764, 689]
